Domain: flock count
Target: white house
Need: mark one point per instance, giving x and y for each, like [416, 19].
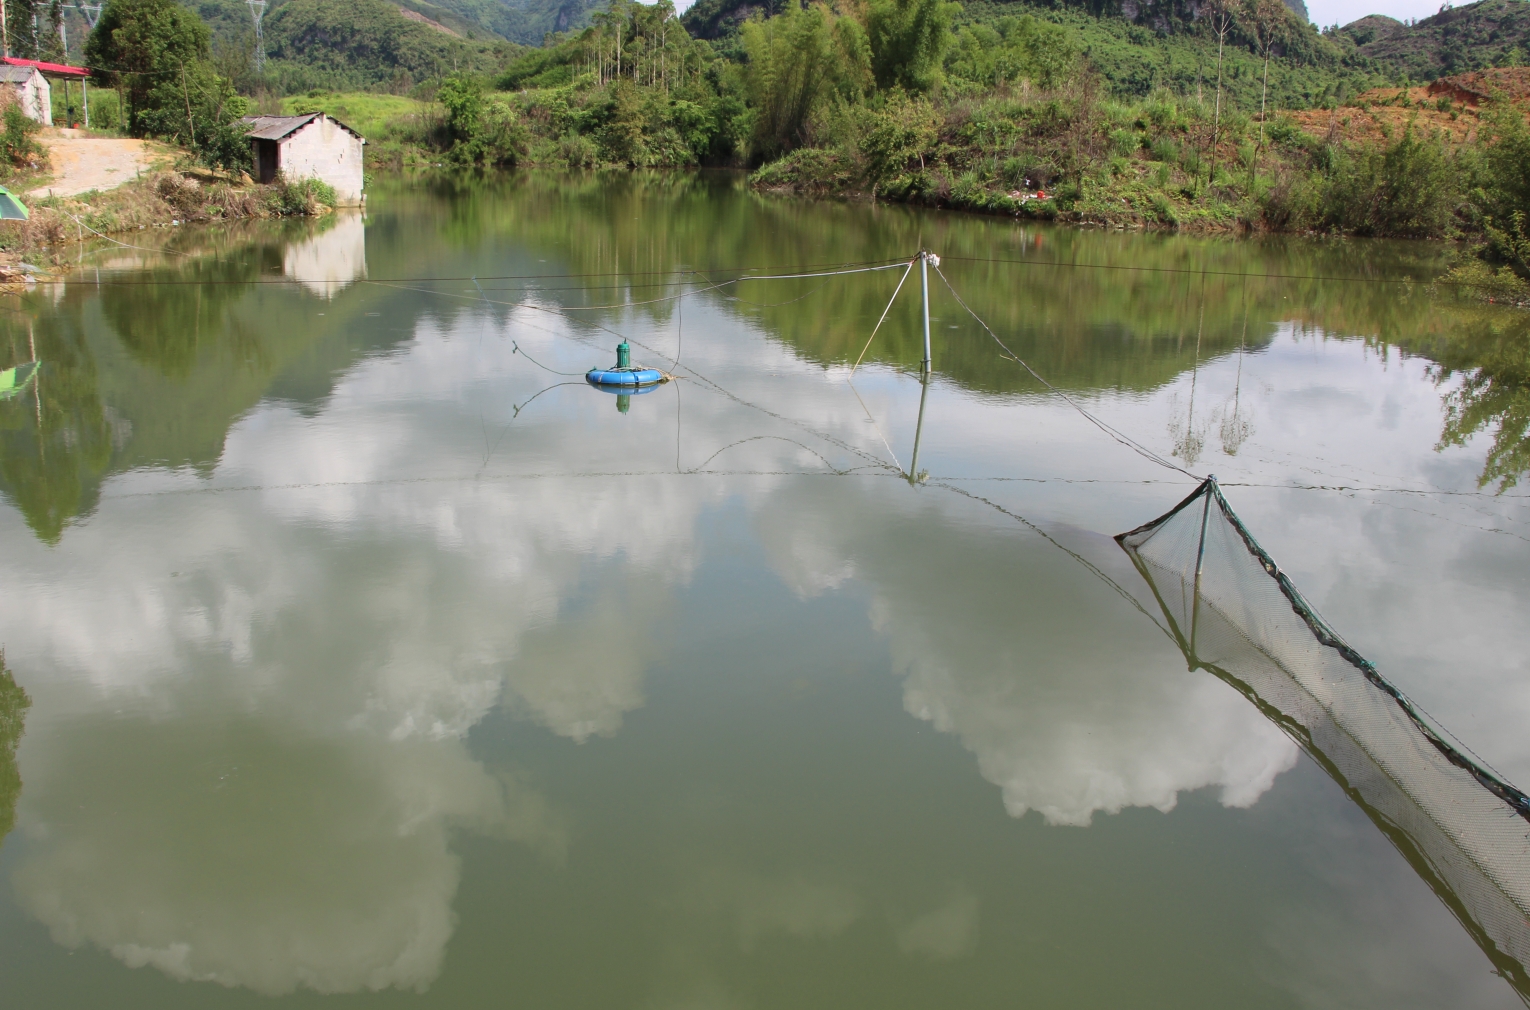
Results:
[308, 147]
[31, 89]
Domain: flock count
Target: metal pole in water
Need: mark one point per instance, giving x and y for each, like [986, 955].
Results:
[924, 290]
[1200, 559]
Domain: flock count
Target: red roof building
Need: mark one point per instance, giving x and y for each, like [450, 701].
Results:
[49, 69]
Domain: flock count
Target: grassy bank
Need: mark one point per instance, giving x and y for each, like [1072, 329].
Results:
[401, 132]
[1030, 116]
[161, 200]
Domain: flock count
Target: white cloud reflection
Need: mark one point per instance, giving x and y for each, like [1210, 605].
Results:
[1009, 644]
[248, 750]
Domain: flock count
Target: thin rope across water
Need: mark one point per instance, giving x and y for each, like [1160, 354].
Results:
[1119, 436]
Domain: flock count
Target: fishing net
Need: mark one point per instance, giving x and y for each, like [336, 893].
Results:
[1463, 827]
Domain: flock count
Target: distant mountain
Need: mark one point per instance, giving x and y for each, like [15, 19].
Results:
[370, 44]
[1369, 29]
[712, 19]
[529, 21]
[1491, 33]
[523, 21]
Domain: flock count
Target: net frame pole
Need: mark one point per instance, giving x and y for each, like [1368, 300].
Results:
[1200, 559]
[924, 292]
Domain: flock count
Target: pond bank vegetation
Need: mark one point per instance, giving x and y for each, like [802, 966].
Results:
[165, 199]
[922, 102]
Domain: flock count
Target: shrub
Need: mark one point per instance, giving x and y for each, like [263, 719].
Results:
[16, 142]
[301, 198]
[1407, 189]
[903, 130]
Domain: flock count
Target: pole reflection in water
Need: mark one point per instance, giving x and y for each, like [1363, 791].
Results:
[915, 475]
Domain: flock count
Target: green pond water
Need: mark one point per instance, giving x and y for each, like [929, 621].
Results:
[372, 658]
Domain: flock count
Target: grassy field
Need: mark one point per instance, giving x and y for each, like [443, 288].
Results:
[370, 115]
[395, 127]
[105, 114]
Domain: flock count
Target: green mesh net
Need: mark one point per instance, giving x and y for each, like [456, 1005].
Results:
[1463, 827]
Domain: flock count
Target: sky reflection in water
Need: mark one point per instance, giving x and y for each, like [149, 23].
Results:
[365, 656]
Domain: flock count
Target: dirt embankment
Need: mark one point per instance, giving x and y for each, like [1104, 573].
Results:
[1451, 107]
[80, 163]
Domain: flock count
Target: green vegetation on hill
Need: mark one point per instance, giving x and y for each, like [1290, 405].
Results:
[1490, 33]
[365, 44]
[1134, 60]
[1137, 48]
[523, 21]
[1052, 114]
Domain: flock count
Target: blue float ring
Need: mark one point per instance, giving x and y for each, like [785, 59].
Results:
[623, 378]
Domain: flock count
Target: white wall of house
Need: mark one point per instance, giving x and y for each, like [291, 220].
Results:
[326, 151]
[36, 97]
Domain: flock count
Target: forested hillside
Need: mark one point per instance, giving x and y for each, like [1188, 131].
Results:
[1136, 46]
[523, 21]
[366, 44]
[1491, 33]
[1139, 46]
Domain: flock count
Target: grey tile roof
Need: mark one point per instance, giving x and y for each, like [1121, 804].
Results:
[277, 127]
[281, 127]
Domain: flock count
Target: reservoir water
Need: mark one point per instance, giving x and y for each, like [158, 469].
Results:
[370, 657]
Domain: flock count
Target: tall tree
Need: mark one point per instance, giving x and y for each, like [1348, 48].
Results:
[909, 39]
[1270, 19]
[155, 52]
[21, 28]
[51, 46]
[1221, 23]
[791, 57]
[139, 45]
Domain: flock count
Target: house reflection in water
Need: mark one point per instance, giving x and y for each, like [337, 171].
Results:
[331, 260]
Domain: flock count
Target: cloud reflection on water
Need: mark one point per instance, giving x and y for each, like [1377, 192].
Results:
[225, 679]
[329, 648]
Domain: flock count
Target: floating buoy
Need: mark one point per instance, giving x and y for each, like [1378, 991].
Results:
[624, 378]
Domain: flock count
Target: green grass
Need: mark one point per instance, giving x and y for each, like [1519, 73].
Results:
[366, 113]
[105, 115]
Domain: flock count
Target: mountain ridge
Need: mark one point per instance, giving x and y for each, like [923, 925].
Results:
[1489, 33]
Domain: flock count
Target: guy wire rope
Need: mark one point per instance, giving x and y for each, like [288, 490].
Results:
[1119, 436]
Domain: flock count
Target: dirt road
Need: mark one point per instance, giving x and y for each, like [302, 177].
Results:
[81, 164]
